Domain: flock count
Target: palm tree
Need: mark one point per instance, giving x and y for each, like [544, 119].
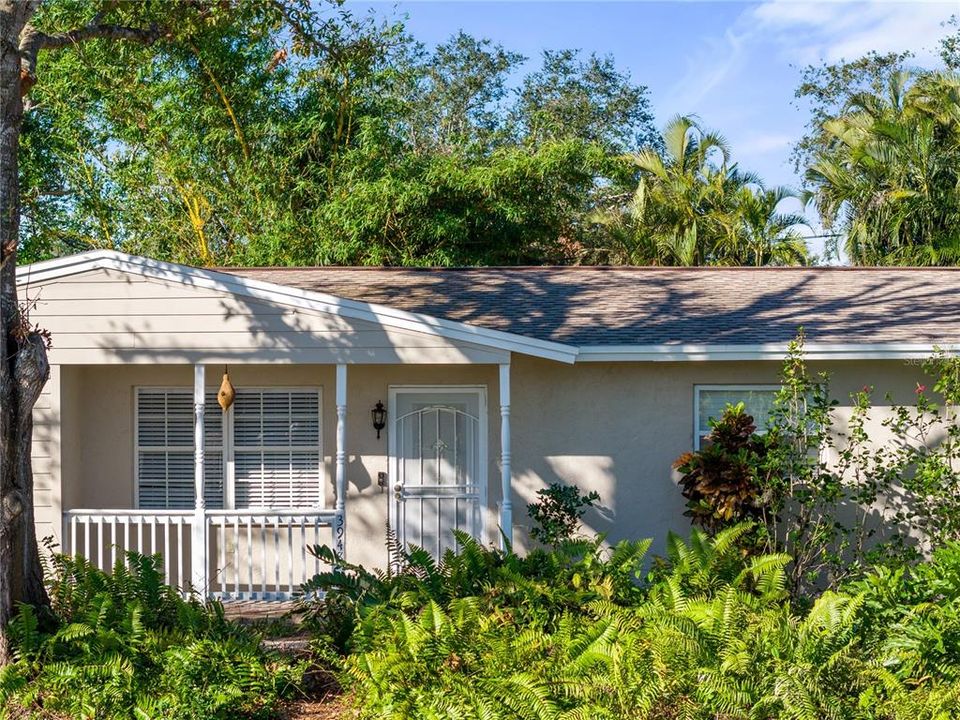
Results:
[692, 206]
[890, 177]
[760, 234]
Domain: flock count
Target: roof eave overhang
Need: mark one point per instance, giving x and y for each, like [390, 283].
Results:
[762, 351]
[294, 297]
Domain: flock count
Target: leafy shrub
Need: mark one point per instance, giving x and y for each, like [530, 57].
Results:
[722, 481]
[126, 645]
[556, 515]
[711, 634]
[532, 588]
[833, 494]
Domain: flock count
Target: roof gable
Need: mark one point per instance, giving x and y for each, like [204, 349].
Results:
[389, 317]
[604, 313]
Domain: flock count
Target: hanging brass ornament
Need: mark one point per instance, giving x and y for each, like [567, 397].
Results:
[226, 393]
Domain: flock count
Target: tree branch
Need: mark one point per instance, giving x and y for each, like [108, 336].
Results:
[32, 41]
[95, 30]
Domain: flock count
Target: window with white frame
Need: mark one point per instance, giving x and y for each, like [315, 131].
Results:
[164, 457]
[711, 400]
[264, 452]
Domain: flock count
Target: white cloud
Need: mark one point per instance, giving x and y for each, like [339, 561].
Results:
[810, 32]
[706, 71]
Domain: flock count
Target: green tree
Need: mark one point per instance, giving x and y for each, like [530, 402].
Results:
[693, 206]
[111, 46]
[888, 178]
[460, 96]
[345, 142]
[586, 99]
[825, 91]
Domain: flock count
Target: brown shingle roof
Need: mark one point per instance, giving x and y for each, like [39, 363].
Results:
[652, 306]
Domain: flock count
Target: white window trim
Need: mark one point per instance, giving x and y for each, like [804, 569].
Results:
[724, 388]
[226, 446]
[393, 391]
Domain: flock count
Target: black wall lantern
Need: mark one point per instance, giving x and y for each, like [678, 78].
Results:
[379, 414]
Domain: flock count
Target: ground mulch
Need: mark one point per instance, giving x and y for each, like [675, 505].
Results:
[323, 699]
[333, 708]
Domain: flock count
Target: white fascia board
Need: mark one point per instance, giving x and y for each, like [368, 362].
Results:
[294, 297]
[765, 351]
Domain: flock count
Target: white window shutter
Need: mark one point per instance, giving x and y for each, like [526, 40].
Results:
[165, 463]
[276, 439]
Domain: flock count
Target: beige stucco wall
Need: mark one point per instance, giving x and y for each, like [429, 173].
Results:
[614, 428]
[617, 427]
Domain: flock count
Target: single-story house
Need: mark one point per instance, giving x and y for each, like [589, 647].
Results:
[489, 384]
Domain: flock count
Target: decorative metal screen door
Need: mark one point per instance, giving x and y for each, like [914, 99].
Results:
[437, 465]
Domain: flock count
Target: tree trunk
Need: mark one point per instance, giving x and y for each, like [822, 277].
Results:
[23, 358]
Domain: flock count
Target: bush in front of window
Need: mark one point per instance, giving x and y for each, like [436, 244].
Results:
[721, 481]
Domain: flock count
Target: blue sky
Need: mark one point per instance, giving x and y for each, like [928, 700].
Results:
[734, 64]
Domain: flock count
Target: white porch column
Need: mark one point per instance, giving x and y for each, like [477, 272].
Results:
[339, 529]
[506, 505]
[198, 544]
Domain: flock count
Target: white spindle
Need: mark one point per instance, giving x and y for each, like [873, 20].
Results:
[178, 525]
[263, 548]
[166, 551]
[506, 505]
[250, 554]
[289, 526]
[303, 548]
[236, 556]
[100, 542]
[276, 553]
[223, 554]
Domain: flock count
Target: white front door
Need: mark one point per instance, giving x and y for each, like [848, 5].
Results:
[437, 464]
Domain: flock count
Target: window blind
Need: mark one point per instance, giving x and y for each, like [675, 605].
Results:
[165, 461]
[276, 448]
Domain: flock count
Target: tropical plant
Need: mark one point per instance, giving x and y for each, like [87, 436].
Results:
[125, 645]
[557, 512]
[693, 206]
[711, 634]
[533, 588]
[721, 480]
[887, 179]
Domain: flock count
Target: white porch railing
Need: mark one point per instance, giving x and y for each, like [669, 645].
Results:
[248, 554]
